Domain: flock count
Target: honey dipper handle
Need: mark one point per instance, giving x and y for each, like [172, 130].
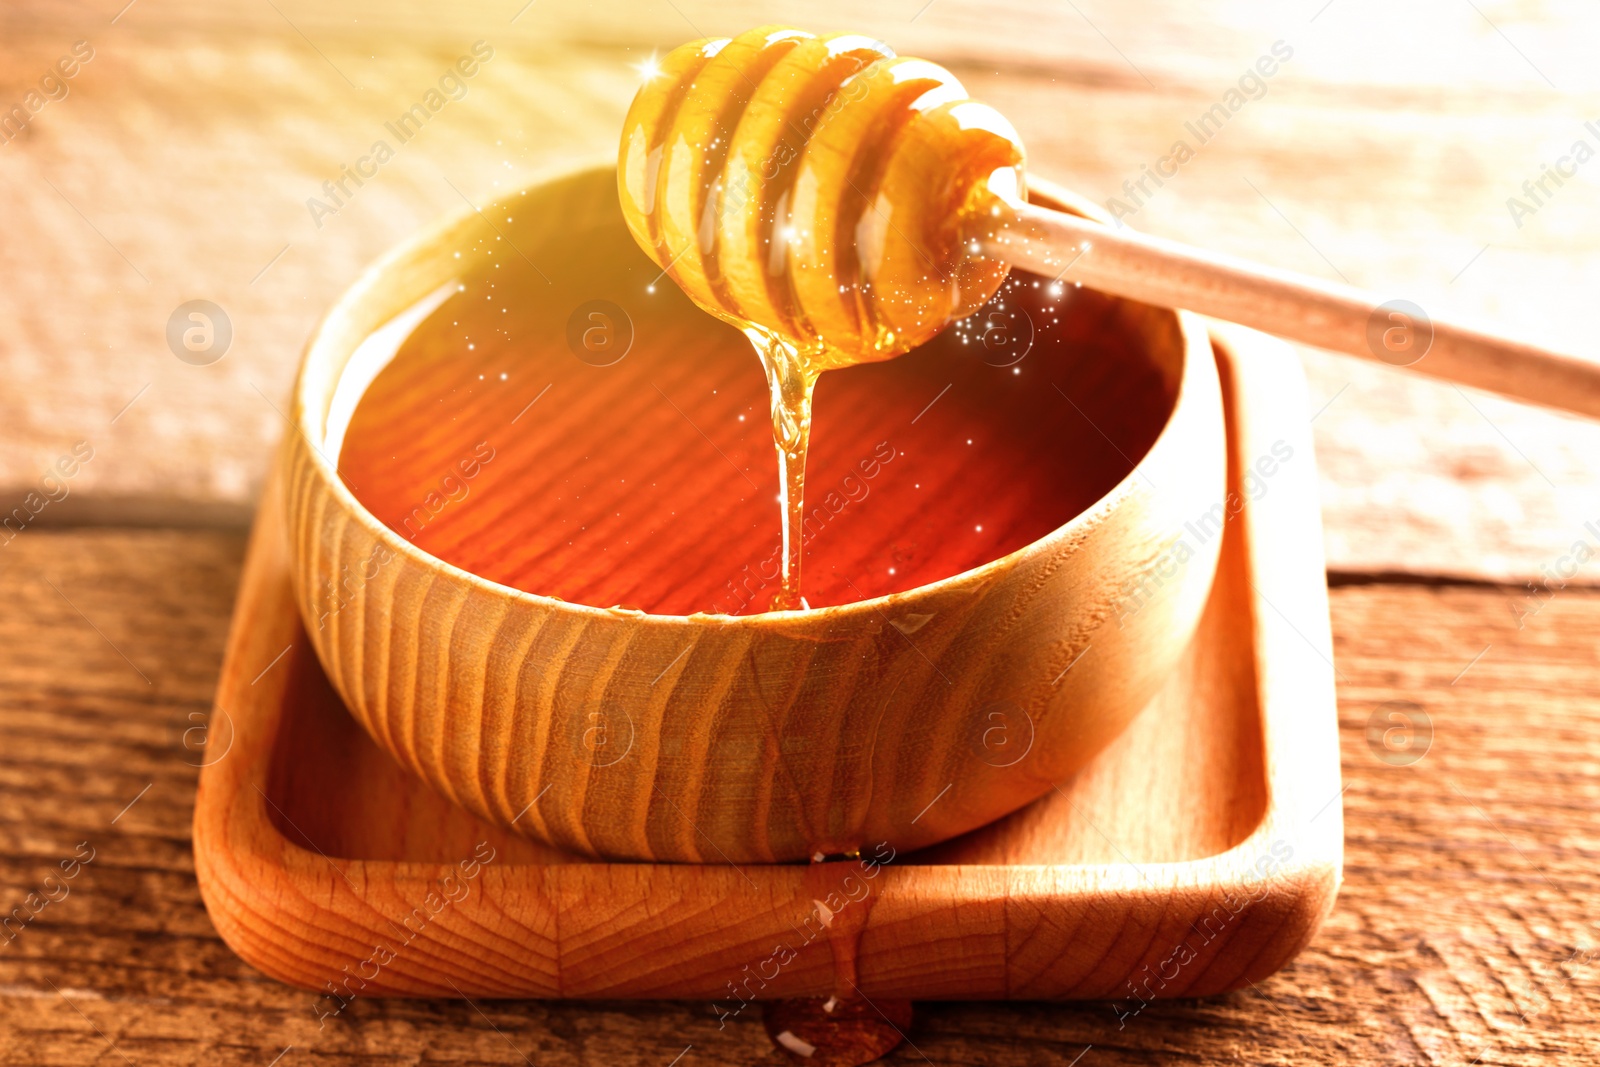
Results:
[1326, 314]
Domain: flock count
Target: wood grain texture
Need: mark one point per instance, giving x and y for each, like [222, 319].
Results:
[194, 138]
[1391, 143]
[899, 684]
[422, 902]
[1461, 928]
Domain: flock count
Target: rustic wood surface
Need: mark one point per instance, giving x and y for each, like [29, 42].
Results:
[180, 163]
[189, 145]
[1465, 925]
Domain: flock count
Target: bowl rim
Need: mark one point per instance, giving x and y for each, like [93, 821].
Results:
[322, 351]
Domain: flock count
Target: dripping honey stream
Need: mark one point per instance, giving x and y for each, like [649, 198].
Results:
[810, 191]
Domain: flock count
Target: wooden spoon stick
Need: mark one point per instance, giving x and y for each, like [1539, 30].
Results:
[1294, 306]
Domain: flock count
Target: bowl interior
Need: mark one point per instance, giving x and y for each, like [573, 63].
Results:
[557, 417]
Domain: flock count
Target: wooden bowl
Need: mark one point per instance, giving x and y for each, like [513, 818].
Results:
[951, 670]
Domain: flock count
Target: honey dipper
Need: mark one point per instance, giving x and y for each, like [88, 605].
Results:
[841, 204]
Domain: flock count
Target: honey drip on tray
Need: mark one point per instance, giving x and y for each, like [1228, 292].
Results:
[812, 191]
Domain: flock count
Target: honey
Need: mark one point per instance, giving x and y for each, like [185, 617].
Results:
[812, 191]
[648, 480]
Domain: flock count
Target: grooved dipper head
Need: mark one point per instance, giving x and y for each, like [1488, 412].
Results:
[814, 188]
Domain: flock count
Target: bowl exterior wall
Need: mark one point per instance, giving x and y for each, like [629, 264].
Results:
[909, 719]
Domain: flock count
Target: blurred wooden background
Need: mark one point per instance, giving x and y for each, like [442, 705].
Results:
[178, 166]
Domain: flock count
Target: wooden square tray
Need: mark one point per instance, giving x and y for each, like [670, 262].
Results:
[1196, 854]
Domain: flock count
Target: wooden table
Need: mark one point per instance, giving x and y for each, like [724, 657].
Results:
[178, 166]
